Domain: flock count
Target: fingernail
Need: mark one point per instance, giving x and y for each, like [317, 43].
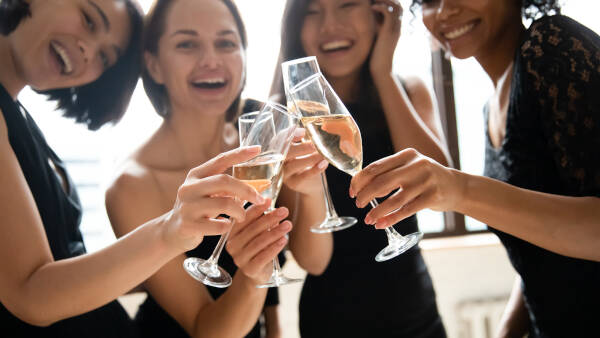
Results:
[260, 199]
[282, 241]
[281, 211]
[368, 220]
[351, 192]
[381, 224]
[323, 164]
[287, 226]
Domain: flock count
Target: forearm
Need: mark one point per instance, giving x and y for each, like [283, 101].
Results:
[233, 314]
[399, 111]
[566, 225]
[312, 251]
[515, 320]
[70, 287]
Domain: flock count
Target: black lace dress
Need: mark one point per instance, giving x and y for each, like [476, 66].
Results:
[61, 215]
[357, 296]
[153, 321]
[552, 145]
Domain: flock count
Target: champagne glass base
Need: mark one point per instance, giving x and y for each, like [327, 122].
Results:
[334, 224]
[206, 272]
[278, 280]
[398, 246]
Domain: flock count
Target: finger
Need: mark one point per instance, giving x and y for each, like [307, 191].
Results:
[365, 176]
[219, 185]
[396, 201]
[215, 206]
[219, 163]
[300, 149]
[254, 228]
[212, 227]
[253, 212]
[297, 179]
[409, 209]
[267, 255]
[303, 163]
[299, 133]
[260, 242]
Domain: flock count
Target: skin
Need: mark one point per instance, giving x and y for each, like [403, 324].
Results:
[201, 42]
[536, 217]
[34, 287]
[409, 113]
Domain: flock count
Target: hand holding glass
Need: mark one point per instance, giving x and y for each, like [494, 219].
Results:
[337, 137]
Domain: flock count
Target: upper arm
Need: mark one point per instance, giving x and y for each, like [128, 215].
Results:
[421, 99]
[561, 82]
[131, 201]
[23, 243]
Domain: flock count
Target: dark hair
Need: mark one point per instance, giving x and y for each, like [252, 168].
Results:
[291, 48]
[154, 28]
[530, 9]
[104, 100]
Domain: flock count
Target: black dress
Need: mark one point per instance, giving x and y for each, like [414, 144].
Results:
[154, 321]
[61, 215]
[357, 296]
[552, 145]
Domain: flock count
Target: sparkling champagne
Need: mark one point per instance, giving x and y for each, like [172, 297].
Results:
[263, 173]
[338, 139]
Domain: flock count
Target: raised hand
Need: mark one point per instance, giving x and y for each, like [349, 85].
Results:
[207, 193]
[254, 242]
[387, 36]
[419, 182]
[302, 167]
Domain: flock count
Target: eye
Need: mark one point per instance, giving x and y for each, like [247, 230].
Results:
[312, 11]
[187, 44]
[348, 4]
[225, 44]
[89, 23]
[105, 60]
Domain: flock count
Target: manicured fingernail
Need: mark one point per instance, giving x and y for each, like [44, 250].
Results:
[351, 192]
[381, 224]
[368, 220]
[281, 211]
[282, 241]
[323, 164]
[286, 226]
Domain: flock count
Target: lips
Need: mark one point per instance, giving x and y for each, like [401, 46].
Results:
[336, 45]
[458, 32]
[62, 58]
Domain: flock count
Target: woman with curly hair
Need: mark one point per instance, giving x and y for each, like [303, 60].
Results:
[542, 160]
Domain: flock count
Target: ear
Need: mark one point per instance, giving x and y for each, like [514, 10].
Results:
[153, 67]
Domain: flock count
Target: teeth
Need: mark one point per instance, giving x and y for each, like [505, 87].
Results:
[65, 58]
[336, 45]
[459, 32]
[211, 81]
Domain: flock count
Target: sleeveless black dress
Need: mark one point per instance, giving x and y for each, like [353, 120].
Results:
[357, 296]
[552, 145]
[61, 215]
[154, 321]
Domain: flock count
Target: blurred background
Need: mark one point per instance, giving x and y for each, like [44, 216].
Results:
[470, 270]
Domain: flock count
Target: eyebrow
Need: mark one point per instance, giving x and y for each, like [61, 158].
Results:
[194, 33]
[102, 15]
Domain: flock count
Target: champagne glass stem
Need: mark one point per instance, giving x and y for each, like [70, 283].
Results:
[392, 234]
[276, 266]
[331, 213]
[214, 258]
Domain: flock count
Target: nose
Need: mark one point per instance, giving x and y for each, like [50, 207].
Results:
[210, 58]
[329, 21]
[447, 9]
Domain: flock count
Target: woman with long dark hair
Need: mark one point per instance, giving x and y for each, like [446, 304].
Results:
[542, 158]
[195, 66]
[85, 55]
[354, 42]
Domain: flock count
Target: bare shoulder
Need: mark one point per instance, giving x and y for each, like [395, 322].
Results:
[3, 130]
[132, 198]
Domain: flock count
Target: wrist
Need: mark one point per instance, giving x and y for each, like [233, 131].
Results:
[383, 78]
[464, 184]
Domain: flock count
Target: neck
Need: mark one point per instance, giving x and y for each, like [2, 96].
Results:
[10, 77]
[498, 58]
[347, 87]
[198, 137]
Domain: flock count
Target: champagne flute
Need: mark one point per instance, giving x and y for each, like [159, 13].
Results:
[273, 129]
[293, 72]
[337, 137]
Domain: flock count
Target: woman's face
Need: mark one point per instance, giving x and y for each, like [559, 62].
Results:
[468, 28]
[201, 58]
[340, 33]
[67, 43]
